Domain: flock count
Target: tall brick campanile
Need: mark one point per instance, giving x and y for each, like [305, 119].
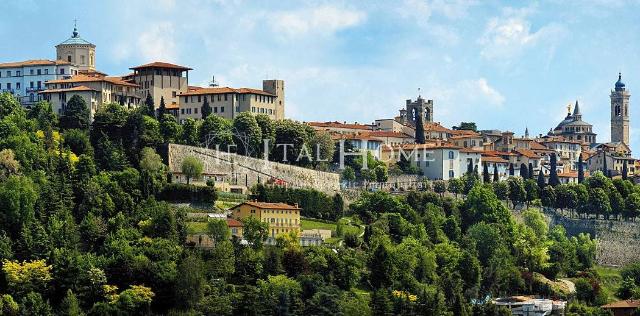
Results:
[620, 113]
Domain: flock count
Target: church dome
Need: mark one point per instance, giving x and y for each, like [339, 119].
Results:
[75, 39]
[619, 83]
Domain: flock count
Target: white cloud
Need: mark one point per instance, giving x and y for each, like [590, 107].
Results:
[324, 20]
[481, 88]
[508, 36]
[158, 42]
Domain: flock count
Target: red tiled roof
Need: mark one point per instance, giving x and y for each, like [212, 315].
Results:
[85, 78]
[338, 136]
[436, 127]
[432, 145]
[34, 62]
[470, 150]
[462, 132]
[339, 125]
[223, 90]
[527, 153]
[387, 134]
[465, 136]
[494, 159]
[159, 64]
[233, 223]
[267, 205]
[78, 88]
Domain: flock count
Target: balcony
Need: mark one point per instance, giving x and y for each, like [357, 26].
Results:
[8, 90]
[35, 89]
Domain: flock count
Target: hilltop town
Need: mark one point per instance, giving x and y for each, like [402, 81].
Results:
[141, 193]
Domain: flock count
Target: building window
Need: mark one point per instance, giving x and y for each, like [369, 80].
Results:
[215, 109]
[18, 73]
[18, 85]
[182, 111]
[69, 58]
[173, 94]
[46, 71]
[39, 72]
[222, 109]
[8, 73]
[225, 97]
[31, 72]
[450, 154]
[451, 174]
[195, 110]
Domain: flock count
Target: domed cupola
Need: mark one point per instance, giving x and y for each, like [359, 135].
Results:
[619, 84]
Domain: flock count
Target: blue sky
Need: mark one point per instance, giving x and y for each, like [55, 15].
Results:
[504, 65]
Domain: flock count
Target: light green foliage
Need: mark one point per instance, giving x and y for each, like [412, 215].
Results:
[192, 168]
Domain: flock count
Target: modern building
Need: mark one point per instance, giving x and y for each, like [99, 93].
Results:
[282, 218]
[620, 112]
[77, 51]
[25, 79]
[95, 90]
[229, 102]
[574, 128]
[162, 81]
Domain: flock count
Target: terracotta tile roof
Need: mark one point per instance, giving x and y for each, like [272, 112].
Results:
[623, 304]
[436, 127]
[194, 88]
[159, 64]
[172, 106]
[463, 132]
[339, 125]
[537, 146]
[527, 153]
[558, 139]
[387, 134]
[223, 90]
[465, 136]
[432, 145]
[85, 78]
[78, 88]
[339, 136]
[493, 159]
[34, 62]
[234, 223]
[266, 205]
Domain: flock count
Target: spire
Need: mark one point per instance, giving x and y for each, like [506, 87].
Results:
[526, 132]
[576, 109]
[619, 84]
[75, 28]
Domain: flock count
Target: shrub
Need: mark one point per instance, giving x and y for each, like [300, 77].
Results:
[179, 192]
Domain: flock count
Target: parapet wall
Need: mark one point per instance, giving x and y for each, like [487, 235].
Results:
[618, 241]
[250, 171]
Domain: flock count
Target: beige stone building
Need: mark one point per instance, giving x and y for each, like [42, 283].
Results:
[161, 80]
[95, 90]
[229, 102]
[77, 51]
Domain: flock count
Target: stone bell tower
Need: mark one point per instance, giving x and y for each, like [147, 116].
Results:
[620, 112]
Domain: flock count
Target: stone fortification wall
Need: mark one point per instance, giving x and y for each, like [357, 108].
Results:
[250, 171]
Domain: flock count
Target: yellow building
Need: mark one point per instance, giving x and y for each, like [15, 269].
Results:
[281, 217]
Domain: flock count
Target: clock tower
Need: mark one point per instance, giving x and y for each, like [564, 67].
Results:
[620, 112]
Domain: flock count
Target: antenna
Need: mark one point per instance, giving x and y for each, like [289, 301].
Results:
[213, 83]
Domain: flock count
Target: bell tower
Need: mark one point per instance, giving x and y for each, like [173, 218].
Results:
[620, 112]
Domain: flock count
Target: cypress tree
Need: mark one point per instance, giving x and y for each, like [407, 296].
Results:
[470, 168]
[580, 170]
[530, 176]
[553, 173]
[206, 108]
[524, 172]
[148, 102]
[496, 176]
[541, 183]
[511, 171]
[624, 170]
[419, 128]
[475, 170]
[485, 174]
[162, 109]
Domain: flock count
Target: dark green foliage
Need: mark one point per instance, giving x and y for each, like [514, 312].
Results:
[553, 171]
[179, 192]
[150, 108]
[313, 203]
[205, 110]
[76, 114]
[420, 138]
[486, 178]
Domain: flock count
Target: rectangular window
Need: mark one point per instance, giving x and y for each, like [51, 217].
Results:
[222, 109]
[8, 73]
[225, 97]
[195, 110]
[199, 99]
[18, 73]
[173, 93]
[46, 71]
[219, 96]
[31, 84]
[39, 84]
[31, 72]
[18, 85]
[215, 109]
[182, 111]
[39, 72]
